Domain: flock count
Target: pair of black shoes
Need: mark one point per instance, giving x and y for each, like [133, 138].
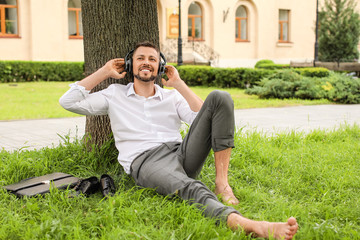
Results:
[92, 185]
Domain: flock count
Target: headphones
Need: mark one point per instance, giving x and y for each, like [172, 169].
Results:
[129, 61]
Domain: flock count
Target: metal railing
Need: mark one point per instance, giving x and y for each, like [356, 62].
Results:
[169, 48]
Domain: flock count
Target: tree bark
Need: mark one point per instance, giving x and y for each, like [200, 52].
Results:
[111, 29]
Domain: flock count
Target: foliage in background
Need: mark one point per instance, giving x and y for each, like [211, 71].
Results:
[339, 31]
[269, 64]
[28, 71]
[22, 71]
[336, 87]
[313, 72]
[263, 61]
[343, 89]
[313, 177]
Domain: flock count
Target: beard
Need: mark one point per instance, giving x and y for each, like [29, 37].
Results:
[150, 79]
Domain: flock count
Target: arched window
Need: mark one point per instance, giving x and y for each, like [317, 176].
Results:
[195, 22]
[241, 24]
[75, 20]
[8, 18]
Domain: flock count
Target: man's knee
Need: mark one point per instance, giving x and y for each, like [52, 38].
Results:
[221, 101]
[221, 97]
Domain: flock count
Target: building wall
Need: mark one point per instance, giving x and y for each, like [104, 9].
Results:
[43, 30]
[263, 18]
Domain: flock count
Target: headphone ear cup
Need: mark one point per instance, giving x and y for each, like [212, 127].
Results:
[162, 64]
[128, 66]
[128, 62]
[161, 69]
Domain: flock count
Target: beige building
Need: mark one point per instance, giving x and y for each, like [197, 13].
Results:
[228, 33]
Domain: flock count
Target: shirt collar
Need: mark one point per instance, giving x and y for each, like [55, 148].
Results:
[158, 92]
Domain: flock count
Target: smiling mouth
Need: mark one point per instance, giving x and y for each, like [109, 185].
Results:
[146, 69]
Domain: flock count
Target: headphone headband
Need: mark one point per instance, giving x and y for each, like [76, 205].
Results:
[129, 61]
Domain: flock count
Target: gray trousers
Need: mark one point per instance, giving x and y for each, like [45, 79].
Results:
[172, 167]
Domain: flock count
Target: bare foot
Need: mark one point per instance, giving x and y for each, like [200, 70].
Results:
[226, 195]
[263, 229]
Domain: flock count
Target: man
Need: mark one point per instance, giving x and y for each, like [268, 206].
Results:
[145, 120]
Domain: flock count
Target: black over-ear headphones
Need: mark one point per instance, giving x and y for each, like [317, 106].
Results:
[129, 59]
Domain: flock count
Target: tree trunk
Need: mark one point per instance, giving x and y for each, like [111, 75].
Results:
[111, 29]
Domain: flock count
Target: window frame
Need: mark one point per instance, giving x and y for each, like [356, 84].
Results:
[193, 17]
[281, 26]
[3, 33]
[77, 12]
[238, 19]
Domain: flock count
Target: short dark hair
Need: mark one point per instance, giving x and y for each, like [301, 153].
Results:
[146, 44]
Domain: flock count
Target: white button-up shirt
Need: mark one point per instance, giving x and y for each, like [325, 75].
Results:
[138, 123]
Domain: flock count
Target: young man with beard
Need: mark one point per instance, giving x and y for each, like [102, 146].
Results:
[145, 120]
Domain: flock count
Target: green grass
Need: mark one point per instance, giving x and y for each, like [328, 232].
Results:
[33, 100]
[37, 100]
[314, 177]
[242, 100]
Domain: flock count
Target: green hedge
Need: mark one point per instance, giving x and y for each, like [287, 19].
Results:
[273, 66]
[313, 72]
[263, 61]
[26, 71]
[222, 77]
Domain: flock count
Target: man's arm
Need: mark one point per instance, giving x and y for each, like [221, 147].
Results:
[176, 82]
[112, 69]
[79, 101]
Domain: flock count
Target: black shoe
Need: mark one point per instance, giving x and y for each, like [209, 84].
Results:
[87, 186]
[107, 185]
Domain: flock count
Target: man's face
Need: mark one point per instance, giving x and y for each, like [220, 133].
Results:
[145, 64]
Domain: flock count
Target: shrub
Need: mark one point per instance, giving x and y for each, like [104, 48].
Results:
[25, 71]
[264, 61]
[197, 75]
[289, 84]
[313, 72]
[273, 66]
[310, 88]
[274, 88]
[222, 77]
[286, 75]
[343, 89]
[227, 78]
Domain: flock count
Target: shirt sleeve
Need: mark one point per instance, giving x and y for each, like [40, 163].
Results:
[184, 111]
[79, 100]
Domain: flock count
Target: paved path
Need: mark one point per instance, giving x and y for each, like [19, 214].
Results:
[35, 134]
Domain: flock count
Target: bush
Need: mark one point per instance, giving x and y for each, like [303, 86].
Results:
[197, 75]
[222, 77]
[273, 66]
[274, 88]
[228, 77]
[287, 84]
[310, 88]
[313, 72]
[26, 71]
[343, 89]
[261, 62]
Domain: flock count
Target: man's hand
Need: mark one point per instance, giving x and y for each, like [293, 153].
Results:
[115, 68]
[112, 69]
[176, 82]
[173, 76]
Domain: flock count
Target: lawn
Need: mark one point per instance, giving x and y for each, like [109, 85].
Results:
[37, 100]
[314, 177]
